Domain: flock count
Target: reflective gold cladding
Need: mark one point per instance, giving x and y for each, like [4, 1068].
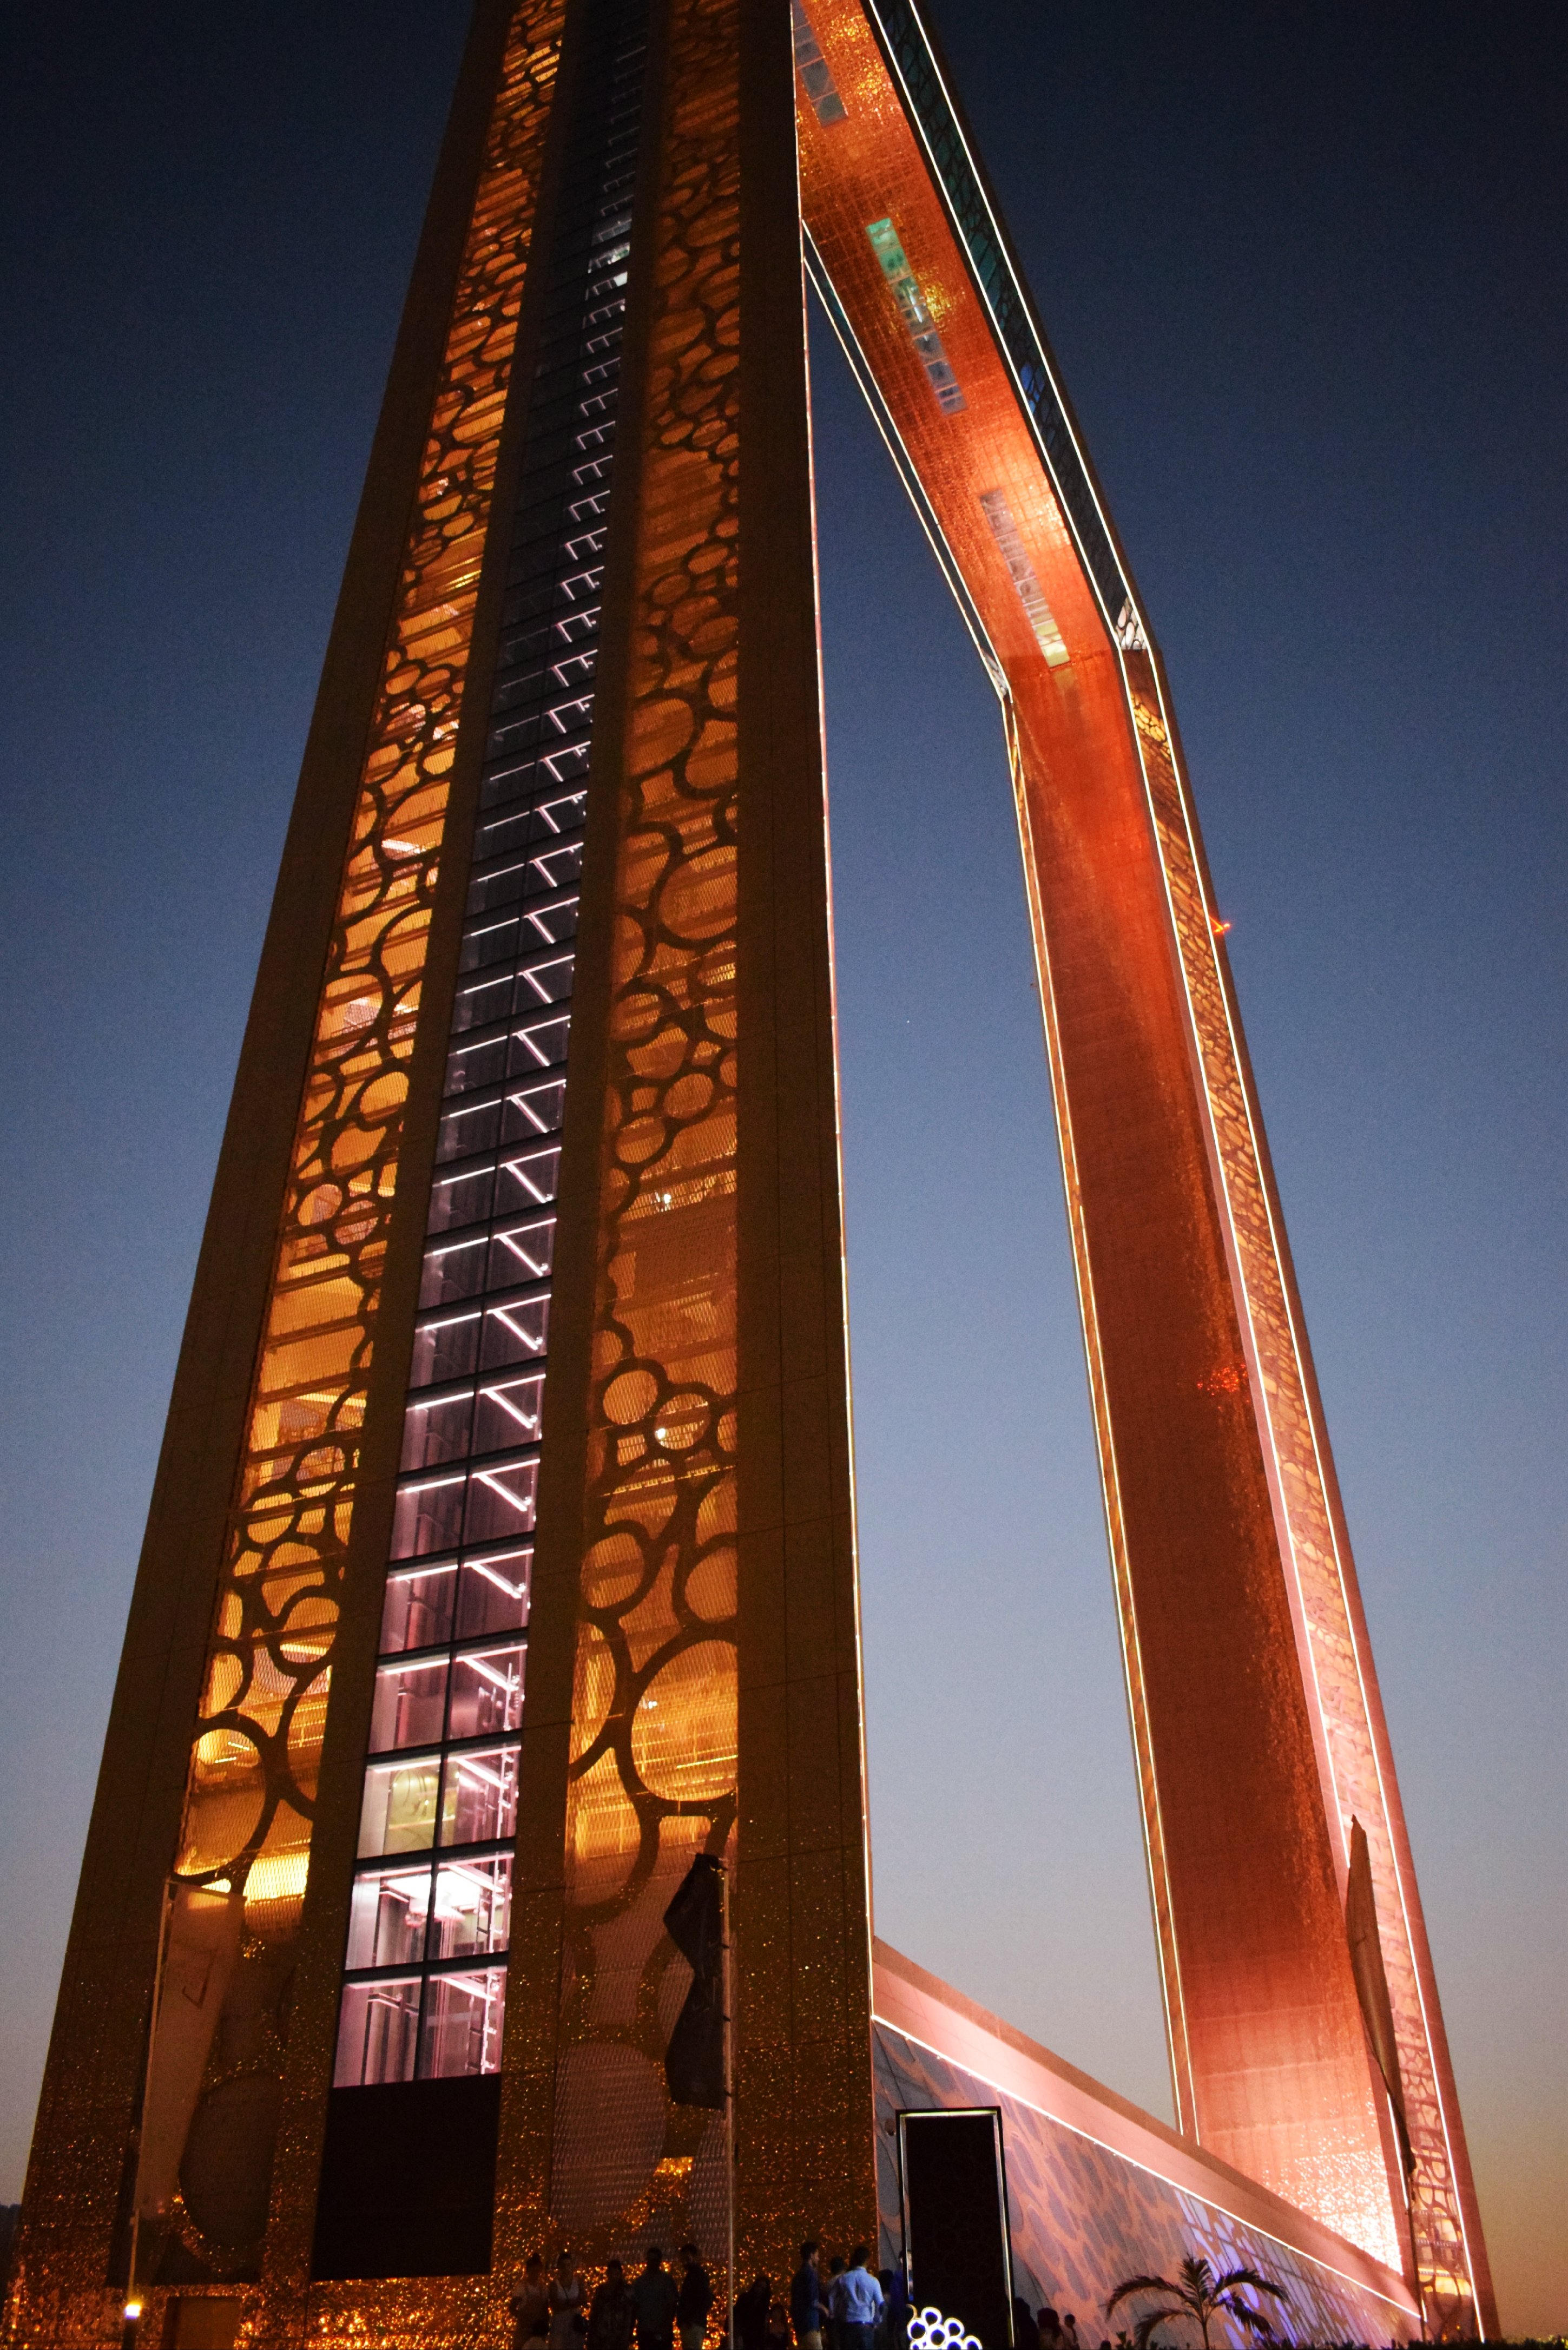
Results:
[868, 163]
[652, 1772]
[256, 1752]
[1137, 1689]
[1358, 1780]
[258, 1740]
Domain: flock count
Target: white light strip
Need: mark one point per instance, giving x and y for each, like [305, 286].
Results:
[838, 318]
[1125, 627]
[912, 116]
[1183, 2087]
[1337, 1821]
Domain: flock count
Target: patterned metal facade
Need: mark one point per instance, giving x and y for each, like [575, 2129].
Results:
[520, 1402]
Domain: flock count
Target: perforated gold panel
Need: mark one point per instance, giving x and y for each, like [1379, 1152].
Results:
[259, 1738]
[694, 1663]
[251, 1789]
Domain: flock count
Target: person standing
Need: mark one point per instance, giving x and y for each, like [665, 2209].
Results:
[854, 2301]
[752, 2313]
[613, 2313]
[568, 2298]
[694, 2299]
[896, 2310]
[655, 2296]
[806, 2299]
[830, 2333]
[1026, 2331]
[530, 2305]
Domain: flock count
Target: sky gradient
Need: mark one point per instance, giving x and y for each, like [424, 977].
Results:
[1304, 272]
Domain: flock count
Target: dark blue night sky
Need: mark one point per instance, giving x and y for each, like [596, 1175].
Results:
[1304, 271]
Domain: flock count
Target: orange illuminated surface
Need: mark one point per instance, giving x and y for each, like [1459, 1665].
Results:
[268, 1675]
[1228, 1550]
[250, 1795]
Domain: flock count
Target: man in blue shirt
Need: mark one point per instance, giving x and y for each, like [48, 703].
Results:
[805, 2300]
[855, 2302]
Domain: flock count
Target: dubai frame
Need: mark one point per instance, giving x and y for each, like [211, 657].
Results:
[502, 1351]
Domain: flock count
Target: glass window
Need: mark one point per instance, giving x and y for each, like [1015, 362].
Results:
[473, 1907]
[488, 943]
[487, 1691]
[386, 1918]
[527, 1179]
[463, 2016]
[522, 1253]
[430, 1913]
[465, 1131]
[540, 1045]
[493, 1596]
[378, 2034]
[418, 1609]
[409, 1704]
[548, 982]
[428, 1517]
[565, 814]
[489, 891]
[398, 1812]
[515, 1334]
[434, 1432]
[514, 779]
[490, 999]
[472, 1067]
[508, 1414]
[445, 1350]
[454, 1271]
[501, 1501]
[529, 1110]
[479, 1802]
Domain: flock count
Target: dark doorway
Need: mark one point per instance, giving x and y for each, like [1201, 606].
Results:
[955, 2220]
[407, 2180]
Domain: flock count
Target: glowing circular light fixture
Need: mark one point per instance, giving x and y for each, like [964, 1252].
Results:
[930, 2330]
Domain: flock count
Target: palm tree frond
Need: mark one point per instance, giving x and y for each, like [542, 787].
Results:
[1249, 2277]
[1146, 2326]
[1140, 2284]
[1200, 2297]
[1253, 2319]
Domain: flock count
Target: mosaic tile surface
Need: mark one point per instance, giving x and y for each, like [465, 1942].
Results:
[1082, 2216]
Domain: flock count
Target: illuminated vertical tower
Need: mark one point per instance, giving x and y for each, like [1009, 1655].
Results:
[501, 1558]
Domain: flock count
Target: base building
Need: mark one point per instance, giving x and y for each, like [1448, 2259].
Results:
[501, 1558]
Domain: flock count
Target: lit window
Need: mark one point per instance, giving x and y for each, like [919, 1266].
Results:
[815, 74]
[1042, 619]
[915, 312]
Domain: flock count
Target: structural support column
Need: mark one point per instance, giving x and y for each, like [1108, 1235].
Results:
[694, 1678]
[804, 1900]
[210, 1765]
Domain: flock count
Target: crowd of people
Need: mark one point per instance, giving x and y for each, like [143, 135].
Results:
[846, 2306]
